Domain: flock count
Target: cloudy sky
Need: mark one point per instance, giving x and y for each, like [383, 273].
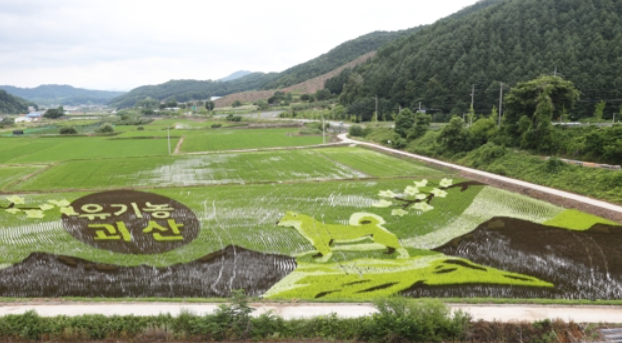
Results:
[122, 44]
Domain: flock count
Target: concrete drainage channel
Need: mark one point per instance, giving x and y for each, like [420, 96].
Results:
[611, 336]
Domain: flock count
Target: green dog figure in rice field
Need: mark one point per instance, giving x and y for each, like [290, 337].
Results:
[362, 226]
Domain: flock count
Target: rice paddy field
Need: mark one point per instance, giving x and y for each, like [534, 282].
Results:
[113, 217]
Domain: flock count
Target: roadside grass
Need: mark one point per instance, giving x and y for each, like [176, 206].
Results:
[246, 139]
[597, 183]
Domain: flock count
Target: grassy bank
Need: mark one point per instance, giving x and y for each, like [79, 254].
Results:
[597, 183]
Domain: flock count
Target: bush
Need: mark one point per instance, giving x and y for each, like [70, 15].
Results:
[404, 123]
[455, 137]
[236, 103]
[68, 131]
[554, 165]
[398, 142]
[400, 319]
[499, 170]
[231, 117]
[216, 126]
[106, 128]
[310, 132]
[356, 131]
[140, 128]
[7, 121]
[485, 155]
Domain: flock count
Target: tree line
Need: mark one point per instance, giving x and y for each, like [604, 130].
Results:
[482, 52]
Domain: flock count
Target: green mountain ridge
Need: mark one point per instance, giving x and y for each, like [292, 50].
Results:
[47, 95]
[10, 104]
[506, 41]
[184, 90]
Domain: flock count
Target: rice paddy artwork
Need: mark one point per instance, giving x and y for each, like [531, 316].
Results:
[340, 223]
[447, 237]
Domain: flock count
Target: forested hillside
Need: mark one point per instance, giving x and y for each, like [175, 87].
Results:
[184, 90]
[307, 87]
[12, 105]
[335, 58]
[515, 40]
[347, 52]
[61, 94]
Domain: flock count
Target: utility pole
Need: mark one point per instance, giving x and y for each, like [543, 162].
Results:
[323, 130]
[501, 101]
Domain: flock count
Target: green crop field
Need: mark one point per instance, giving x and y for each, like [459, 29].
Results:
[239, 139]
[375, 163]
[190, 170]
[41, 150]
[10, 174]
[115, 217]
[211, 169]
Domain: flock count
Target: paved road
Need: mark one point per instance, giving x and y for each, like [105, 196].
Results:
[576, 197]
[504, 313]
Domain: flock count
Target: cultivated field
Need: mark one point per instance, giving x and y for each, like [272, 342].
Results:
[230, 139]
[119, 217]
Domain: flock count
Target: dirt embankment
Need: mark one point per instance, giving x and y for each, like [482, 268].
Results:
[309, 86]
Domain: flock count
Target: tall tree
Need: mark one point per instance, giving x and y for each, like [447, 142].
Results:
[539, 100]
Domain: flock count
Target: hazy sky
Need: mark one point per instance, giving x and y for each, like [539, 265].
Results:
[122, 44]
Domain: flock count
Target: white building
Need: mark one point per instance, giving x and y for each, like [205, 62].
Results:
[23, 119]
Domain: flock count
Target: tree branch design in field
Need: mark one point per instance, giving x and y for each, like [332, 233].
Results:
[419, 196]
[37, 212]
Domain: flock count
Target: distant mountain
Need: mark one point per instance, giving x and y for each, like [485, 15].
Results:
[343, 54]
[238, 74]
[47, 95]
[184, 90]
[10, 104]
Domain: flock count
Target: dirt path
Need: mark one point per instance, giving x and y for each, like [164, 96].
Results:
[503, 313]
[555, 196]
[178, 147]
